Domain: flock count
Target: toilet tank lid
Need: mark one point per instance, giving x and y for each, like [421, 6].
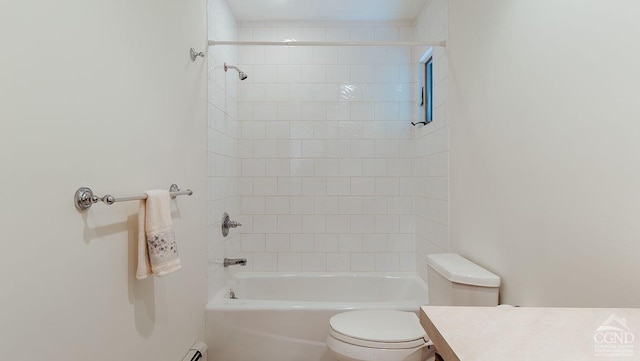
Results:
[458, 269]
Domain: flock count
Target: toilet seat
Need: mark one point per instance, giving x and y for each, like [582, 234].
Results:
[382, 329]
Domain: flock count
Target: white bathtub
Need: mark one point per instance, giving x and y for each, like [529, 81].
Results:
[285, 317]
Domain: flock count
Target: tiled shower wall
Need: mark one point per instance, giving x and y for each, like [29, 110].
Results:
[431, 166]
[326, 149]
[223, 143]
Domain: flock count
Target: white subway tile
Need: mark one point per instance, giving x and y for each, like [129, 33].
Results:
[301, 92]
[277, 92]
[338, 34]
[314, 224]
[350, 55]
[325, 92]
[338, 262]
[253, 167]
[362, 148]
[362, 33]
[387, 186]
[362, 186]
[277, 243]
[314, 262]
[326, 243]
[277, 55]
[387, 224]
[302, 167]
[313, 111]
[351, 130]
[265, 261]
[338, 185]
[265, 148]
[387, 262]
[289, 111]
[362, 111]
[363, 262]
[277, 205]
[277, 167]
[350, 243]
[338, 148]
[289, 262]
[289, 224]
[252, 204]
[289, 148]
[301, 243]
[312, 34]
[314, 149]
[326, 130]
[338, 111]
[264, 73]
[338, 73]
[301, 205]
[264, 224]
[313, 73]
[350, 205]
[374, 242]
[325, 205]
[339, 224]
[253, 243]
[278, 130]
[263, 111]
[374, 167]
[325, 55]
[289, 186]
[314, 185]
[362, 224]
[301, 130]
[375, 205]
[350, 167]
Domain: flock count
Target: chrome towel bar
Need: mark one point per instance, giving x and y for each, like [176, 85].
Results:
[84, 197]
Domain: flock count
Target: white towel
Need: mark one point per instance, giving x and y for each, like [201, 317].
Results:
[157, 248]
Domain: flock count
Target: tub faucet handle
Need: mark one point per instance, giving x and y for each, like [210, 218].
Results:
[227, 223]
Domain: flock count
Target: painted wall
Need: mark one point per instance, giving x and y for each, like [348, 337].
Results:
[543, 100]
[223, 144]
[326, 152]
[431, 163]
[100, 94]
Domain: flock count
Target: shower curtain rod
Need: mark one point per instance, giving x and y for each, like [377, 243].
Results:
[329, 43]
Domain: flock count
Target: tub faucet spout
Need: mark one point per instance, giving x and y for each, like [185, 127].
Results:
[235, 261]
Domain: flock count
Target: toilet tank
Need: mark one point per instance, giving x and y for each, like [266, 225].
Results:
[455, 281]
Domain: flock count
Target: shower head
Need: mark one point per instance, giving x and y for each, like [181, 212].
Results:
[241, 74]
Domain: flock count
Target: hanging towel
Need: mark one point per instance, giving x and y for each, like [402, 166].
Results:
[157, 248]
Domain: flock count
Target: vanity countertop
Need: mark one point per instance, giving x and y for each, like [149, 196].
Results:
[532, 333]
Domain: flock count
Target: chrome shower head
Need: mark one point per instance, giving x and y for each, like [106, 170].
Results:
[241, 74]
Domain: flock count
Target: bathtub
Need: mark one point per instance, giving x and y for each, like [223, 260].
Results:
[285, 317]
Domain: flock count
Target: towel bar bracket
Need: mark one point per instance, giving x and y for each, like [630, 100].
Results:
[84, 197]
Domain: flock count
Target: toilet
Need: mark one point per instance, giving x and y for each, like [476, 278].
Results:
[389, 335]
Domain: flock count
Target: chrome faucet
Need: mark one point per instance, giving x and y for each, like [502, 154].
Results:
[235, 261]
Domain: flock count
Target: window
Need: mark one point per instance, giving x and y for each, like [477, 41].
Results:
[427, 90]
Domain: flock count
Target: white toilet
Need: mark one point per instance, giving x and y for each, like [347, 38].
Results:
[386, 335]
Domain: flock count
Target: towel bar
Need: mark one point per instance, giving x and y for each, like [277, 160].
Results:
[84, 197]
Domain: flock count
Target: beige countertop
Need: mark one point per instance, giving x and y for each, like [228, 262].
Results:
[528, 333]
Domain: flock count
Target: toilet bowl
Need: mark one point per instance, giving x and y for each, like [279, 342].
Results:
[376, 335]
[386, 335]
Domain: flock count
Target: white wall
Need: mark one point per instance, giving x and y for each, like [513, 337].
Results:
[100, 94]
[326, 149]
[431, 163]
[544, 147]
[223, 144]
